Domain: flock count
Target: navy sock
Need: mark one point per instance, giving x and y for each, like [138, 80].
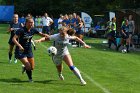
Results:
[29, 74]
[10, 56]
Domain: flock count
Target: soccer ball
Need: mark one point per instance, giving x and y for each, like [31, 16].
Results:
[124, 51]
[52, 50]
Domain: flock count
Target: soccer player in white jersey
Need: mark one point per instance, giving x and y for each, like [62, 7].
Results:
[61, 41]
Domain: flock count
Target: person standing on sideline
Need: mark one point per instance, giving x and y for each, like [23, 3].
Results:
[131, 29]
[13, 27]
[47, 22]
[60, 21]
[125, 36]
[23, 49]
[112, 33]
[79, 32]
[61, 40]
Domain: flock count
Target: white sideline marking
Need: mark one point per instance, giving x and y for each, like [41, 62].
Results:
[96, 83]
[89, 78]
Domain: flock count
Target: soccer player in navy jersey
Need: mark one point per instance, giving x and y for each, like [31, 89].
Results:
[23, 49]
[125, 35]
[13, 27]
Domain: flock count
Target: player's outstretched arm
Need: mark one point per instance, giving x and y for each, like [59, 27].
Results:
[84, 44]
[42, 39]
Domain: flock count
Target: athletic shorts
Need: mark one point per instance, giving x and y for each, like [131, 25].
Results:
[125, 36]
[57, 59]
[20, 54]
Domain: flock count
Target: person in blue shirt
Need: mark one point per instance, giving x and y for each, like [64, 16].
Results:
[23, 49]
[66, 21]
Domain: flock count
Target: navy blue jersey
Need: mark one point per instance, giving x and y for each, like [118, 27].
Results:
[125, 28]
[16, 27]
[25, 38]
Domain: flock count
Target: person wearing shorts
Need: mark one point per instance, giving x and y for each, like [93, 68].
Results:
[61, 41]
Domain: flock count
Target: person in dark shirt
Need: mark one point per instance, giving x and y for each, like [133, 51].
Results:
[13, 27]
[23, 49]
[125, 36]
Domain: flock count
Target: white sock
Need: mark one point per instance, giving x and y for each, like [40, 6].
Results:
[77, 73]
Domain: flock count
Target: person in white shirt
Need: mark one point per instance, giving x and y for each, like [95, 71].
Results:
[61, 40]
[60, 21]
[131, 23]
[47, 22]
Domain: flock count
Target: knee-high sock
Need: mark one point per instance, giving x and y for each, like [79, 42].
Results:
[127, 47]
[118, 47]
[29, 73]
[109, 43]
[10, 55]
[76, 72]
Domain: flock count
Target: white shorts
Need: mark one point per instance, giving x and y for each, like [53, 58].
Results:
[57, 59]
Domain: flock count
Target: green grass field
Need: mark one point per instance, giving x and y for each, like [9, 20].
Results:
[105, 71]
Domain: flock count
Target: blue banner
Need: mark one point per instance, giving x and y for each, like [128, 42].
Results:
[6, 13]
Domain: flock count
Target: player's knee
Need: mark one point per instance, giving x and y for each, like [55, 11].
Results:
[28, 66]
[72, 67]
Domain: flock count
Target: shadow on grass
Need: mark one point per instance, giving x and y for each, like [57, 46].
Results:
[12, 80]
[16, 81]
[57, 82]
[45, 81]
[4, 62]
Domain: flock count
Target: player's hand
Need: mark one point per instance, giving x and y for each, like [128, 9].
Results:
[37, 41]
[87, 46]
[12, 29]
[21, 48]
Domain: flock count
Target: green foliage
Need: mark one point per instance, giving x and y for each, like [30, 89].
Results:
[56, 7]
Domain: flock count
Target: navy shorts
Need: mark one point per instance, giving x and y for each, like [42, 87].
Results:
[125, 36]
[20, 54]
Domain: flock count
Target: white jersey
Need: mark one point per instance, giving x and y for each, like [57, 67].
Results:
[46, 21]
[61, 44]
[59, 22]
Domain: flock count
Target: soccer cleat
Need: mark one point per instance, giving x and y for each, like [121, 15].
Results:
[10, 61]
[31, 81]
[61, 77]
[83, 82]
[15, 60]
[23, 69]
